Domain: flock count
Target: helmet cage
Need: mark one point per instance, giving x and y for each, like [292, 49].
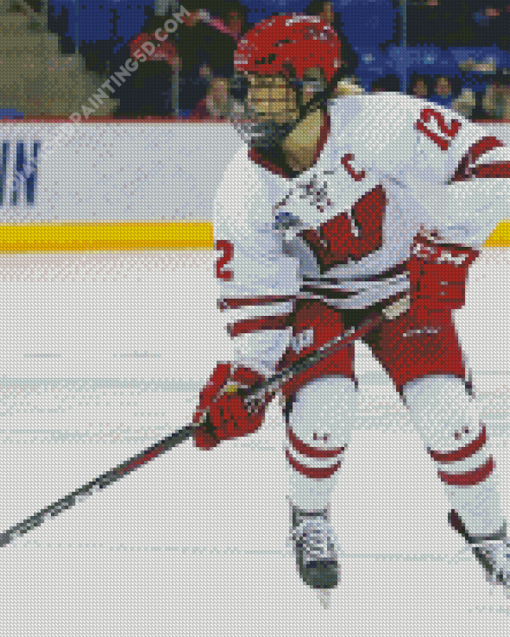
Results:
[264, 135]
[290, 47]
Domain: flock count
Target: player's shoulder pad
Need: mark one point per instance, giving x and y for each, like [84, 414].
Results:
[384, 134]
[372, 126]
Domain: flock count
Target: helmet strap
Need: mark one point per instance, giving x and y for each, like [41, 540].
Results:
[318, 101]
[320, 98]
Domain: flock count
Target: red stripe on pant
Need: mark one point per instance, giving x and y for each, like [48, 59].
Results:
[463, 452]
[493, 170]
[470, 478]
[311, 452]
[311, 472]
[245, 326]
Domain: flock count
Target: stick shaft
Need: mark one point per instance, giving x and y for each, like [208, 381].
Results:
[254, 399]
[97, 484]
[257, 396]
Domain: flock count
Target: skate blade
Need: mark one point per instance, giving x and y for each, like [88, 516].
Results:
[324, 597]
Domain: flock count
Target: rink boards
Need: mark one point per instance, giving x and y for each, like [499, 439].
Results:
[113, 185]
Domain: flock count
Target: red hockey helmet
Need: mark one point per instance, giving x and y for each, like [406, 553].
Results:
[278, 43]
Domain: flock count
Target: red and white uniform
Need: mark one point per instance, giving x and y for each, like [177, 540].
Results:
[388, 165]
[302, 257]
[305, 256]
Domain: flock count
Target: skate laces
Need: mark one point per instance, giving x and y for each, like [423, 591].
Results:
[315, 538]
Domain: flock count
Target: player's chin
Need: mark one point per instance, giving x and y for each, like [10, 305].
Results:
[269, 135]
[264, 129]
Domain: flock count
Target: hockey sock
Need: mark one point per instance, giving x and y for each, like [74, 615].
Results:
[318, 429]
[447, 420]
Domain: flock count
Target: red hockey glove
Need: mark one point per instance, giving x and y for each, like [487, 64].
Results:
[227, 416]
[438, 275]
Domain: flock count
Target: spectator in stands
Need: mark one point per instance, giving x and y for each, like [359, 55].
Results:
[485, 16]
[496, 101]
[230, 19]
[465, 103]
[425, 23]
[443, 23]
[230, 24]
[216, 104]
[485, 19]
[491, 20]
[235, 22]
[443, 93]
[149, 87]
[420, 86]
[207, 41]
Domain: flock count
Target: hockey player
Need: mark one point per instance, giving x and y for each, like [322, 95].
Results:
[337, 210]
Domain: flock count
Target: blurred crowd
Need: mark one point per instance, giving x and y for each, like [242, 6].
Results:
[190, 74]
[200, 55]
[491, 103]
[447, 23]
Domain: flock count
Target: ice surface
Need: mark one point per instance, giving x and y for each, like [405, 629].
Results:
[104, 354]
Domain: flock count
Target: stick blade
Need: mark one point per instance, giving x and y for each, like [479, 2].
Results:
[5, 538]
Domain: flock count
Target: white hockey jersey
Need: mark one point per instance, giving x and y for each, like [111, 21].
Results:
[388, 167]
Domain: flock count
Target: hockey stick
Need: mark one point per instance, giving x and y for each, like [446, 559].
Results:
[254, 400]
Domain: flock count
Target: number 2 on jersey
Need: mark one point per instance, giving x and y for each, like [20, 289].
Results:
[448, 132]
[228, 252]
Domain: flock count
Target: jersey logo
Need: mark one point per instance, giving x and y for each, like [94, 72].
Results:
[316, 193]
[352, 235]
[346, 162]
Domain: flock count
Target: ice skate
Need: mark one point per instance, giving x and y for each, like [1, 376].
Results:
[316, 558]
[493, 553]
